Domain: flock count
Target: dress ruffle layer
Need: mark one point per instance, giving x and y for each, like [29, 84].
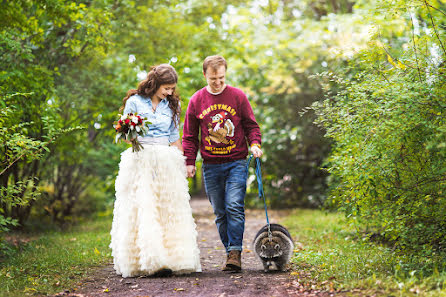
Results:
[153, 227]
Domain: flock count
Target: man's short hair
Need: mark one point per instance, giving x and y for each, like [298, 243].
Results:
[214, 62]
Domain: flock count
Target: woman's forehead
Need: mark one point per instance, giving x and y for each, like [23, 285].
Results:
[168, 86]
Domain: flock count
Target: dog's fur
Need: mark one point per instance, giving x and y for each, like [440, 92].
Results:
[276, 252]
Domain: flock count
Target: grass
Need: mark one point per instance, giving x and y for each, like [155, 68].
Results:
[56, 261]
[329, 254]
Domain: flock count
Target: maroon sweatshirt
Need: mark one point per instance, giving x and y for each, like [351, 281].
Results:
[226, 121]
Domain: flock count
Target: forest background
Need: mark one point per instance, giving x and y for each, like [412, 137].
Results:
[350, 96]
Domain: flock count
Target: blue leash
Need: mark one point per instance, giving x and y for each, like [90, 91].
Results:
[258, 171]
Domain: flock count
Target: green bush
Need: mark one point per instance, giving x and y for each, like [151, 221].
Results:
[389, 129]
[20, 156]
[14, 147]
[15, 193]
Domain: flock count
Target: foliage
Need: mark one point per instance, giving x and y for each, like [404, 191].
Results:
[40, 41]
[330, 254]
[388, 126]
[16, 146]
[278, 46]
[78, 59]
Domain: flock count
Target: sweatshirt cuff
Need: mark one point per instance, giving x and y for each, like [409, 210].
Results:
[190, 162]
[256, 144]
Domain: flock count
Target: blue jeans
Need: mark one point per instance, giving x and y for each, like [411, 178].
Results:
[225, 186]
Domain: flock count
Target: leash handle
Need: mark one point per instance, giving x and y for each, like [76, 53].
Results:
[258, 171]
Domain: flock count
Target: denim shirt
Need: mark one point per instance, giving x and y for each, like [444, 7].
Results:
[161, 120]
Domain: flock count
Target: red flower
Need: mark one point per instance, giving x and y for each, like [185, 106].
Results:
[133, 124]
[127, 121]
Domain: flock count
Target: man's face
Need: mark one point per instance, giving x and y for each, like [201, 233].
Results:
[216, 78]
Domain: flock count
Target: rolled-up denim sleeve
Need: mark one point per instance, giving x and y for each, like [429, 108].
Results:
[174, 133]
[130, 107]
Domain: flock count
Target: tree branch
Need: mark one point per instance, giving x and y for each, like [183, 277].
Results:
[434, 26]
[441, 11]
[415, 47]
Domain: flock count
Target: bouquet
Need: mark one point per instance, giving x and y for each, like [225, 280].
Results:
[129, 126]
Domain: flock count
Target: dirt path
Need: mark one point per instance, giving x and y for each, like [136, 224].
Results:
[252, 281]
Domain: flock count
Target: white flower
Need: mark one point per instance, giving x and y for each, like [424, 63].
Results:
[123, 117]
[117, 137]
[131, 127]
[135, 120]
[138, 129]
[141, 75]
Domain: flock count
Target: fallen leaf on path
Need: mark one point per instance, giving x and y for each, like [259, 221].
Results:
[236, 276]
[106, 290]
[179, 289]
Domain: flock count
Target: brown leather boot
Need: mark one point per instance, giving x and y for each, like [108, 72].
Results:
[234, 261]
[225, 266]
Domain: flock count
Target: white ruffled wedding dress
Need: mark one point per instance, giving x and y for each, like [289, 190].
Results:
[153, 227]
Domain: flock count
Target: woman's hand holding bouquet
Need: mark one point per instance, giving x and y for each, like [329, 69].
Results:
[128, 127]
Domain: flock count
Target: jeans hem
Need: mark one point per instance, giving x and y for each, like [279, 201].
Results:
[234, 248]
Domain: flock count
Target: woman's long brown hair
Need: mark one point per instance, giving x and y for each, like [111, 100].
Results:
[163, 74]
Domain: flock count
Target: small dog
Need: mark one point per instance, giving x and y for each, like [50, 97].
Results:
[276, 250]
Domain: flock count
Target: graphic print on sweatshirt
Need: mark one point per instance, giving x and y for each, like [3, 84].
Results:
[220, 129]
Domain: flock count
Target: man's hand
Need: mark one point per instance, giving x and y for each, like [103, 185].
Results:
[191, 170]
[256, 151]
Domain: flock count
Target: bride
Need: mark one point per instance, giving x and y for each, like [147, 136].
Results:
[153, 230]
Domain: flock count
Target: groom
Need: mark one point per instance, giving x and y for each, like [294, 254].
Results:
[226, 121]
